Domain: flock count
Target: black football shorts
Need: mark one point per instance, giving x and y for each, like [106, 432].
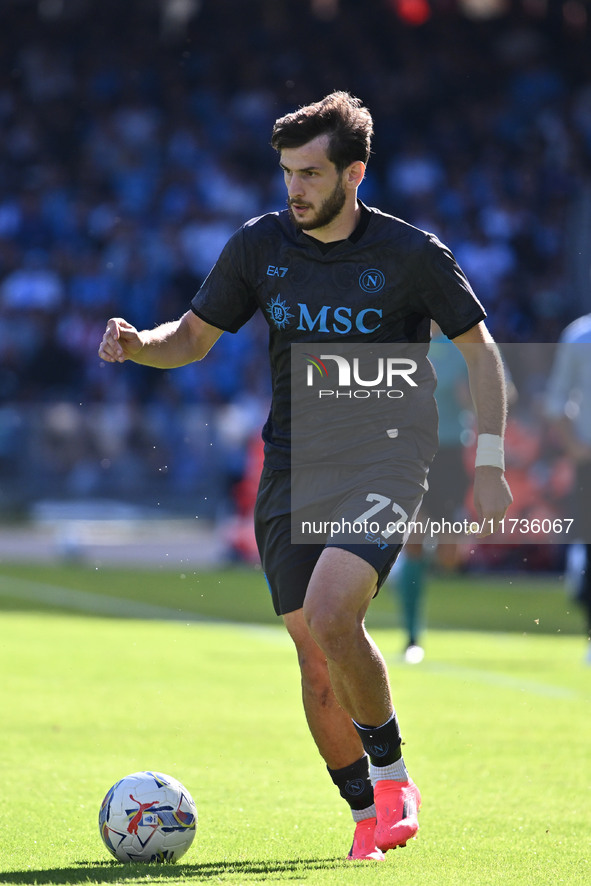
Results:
[365, 515]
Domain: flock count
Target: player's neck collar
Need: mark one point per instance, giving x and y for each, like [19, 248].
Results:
[364, 217]
[354, 236]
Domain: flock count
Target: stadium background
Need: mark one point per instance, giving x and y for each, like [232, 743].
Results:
[134, 141]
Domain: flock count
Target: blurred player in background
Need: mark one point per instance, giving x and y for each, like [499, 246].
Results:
[445, 497]
[307, 269]
[568, 404]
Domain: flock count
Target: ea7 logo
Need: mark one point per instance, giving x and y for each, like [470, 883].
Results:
[273, 271]
[386, 370]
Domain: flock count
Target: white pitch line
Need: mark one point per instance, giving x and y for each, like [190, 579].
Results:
[100, 604]
[502, 681]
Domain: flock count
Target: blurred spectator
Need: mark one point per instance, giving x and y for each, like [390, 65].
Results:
[134, 141]
[34, 286]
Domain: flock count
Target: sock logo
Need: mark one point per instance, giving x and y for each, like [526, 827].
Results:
[355, 787]
[378, 750]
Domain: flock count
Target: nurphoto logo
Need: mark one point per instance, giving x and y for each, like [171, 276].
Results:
[344, 373]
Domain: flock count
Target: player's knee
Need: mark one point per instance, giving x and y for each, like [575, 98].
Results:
[331, 630]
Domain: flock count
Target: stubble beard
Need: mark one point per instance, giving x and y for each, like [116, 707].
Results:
[327, 212]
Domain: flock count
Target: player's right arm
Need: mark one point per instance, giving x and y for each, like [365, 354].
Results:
[165, 347]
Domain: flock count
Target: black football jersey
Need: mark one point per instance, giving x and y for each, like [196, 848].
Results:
[383, 284]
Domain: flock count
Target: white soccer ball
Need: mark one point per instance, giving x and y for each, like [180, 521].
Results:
[148, 816]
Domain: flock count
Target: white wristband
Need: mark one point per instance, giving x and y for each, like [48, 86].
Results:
[490, 451]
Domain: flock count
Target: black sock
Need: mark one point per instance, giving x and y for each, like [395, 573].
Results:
[354, 784]
[381, 743]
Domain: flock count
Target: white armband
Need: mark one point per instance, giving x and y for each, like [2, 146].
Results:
[490, 451]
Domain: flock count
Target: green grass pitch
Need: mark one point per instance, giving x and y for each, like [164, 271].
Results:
[99, 680]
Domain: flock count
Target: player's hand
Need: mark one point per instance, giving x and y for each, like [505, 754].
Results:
[492, 498]
[121, 341]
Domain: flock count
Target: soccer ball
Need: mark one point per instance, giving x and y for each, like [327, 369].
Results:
[148, 816]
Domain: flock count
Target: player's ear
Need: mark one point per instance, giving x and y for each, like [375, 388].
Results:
[354, 174]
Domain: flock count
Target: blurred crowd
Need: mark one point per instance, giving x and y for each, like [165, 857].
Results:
[134, 139]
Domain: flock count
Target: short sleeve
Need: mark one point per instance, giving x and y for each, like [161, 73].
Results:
[226, 298]
[445, 292]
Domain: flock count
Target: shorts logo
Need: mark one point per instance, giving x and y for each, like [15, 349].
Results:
[279, 312]
[372, 280]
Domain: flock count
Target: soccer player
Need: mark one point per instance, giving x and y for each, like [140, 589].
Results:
[448, 485]
[311, 271]
[567, 404]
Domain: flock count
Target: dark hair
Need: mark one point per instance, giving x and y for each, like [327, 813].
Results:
[339, 115]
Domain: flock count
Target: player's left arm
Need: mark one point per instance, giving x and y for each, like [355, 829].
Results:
[492, 495]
